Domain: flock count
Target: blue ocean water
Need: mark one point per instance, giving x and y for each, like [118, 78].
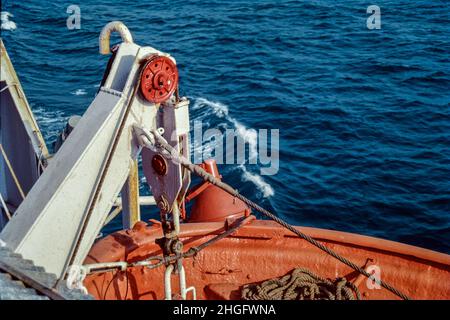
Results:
[363, 114]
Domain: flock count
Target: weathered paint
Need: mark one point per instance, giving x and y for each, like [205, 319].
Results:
[131, 212]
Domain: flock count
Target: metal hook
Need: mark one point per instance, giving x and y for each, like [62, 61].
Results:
[106, 34]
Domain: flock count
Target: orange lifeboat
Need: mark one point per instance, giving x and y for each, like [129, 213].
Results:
[262, 250]
[257, 251]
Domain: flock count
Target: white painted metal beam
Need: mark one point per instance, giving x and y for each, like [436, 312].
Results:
[46, 225]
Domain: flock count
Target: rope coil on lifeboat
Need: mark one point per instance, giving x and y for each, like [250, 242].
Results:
[301, 284]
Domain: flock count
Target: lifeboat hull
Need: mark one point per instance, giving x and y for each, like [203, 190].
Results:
[263, 250]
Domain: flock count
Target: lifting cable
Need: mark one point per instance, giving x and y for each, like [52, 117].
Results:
[154, 140]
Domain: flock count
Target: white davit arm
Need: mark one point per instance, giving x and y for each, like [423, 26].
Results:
[56, 224]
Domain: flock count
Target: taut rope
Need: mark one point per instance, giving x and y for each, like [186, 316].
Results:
[154, 140]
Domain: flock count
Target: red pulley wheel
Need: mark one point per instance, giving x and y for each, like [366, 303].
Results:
[159, 79]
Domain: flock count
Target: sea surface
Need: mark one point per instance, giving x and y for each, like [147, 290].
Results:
[363, 115]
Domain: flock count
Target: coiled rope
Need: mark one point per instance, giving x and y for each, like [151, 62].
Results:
[301, 284]
[155, 141]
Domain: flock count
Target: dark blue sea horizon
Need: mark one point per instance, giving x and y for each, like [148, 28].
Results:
[363, 115]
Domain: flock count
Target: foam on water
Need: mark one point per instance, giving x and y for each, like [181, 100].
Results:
[265, 188]
[250, 136]
[6, 23]
[50, 121]
[216, 108]
[209, 108]
[79, 92]
[205, 109]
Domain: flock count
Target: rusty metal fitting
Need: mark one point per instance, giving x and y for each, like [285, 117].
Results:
[159, 164]
[170, 245]
[163, 205]
[176, 246]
